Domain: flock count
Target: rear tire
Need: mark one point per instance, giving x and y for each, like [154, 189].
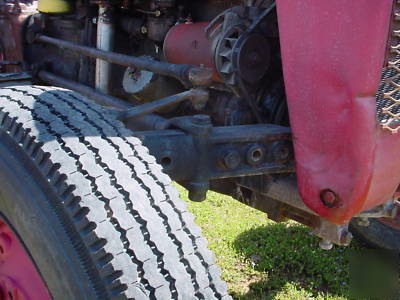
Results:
[93, 209]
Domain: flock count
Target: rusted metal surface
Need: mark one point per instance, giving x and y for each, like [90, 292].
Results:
[175, 149]
[333, 53]
[12, 17]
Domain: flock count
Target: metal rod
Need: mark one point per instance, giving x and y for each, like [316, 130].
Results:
[105, 39]
[14, 76]
[99, 97]
[148, 122]
[147, 108]
[195, 75]
[11, 63]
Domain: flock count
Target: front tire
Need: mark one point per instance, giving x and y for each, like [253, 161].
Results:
[377, 235]
[92, 207]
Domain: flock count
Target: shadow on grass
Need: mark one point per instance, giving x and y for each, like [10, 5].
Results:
[285, 254]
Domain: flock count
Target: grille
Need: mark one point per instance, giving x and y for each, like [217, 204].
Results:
[388, 95]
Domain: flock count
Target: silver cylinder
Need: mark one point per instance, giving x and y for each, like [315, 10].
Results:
[105, 40]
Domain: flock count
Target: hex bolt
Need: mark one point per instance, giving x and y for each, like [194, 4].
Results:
[281, 151]
[364, 222]
[325, 245]
[231, 159]
[329, 198]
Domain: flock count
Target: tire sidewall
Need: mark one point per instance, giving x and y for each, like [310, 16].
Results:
[31, 208]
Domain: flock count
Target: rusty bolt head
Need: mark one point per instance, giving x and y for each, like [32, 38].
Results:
[329, 198]
[281, 151]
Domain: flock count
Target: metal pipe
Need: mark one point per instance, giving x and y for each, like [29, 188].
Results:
[150, 107]
[105, 40]
[195, 75]
[198, 97]
[148, 122]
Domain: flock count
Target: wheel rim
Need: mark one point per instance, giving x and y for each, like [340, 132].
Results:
[19, 278]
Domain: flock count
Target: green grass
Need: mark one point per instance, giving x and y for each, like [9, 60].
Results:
[261, 259]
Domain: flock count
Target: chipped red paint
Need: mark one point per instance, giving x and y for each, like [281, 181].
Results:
[19, 279]
[333, 53]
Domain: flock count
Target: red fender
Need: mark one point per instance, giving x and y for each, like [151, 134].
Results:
[333, 53]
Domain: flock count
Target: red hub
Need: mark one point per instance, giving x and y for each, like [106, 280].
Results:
[19, 278]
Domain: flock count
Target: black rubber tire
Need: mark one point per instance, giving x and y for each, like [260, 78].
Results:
[94, 210]
[377, 235]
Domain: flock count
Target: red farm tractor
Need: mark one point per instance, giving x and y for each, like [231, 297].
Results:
[292, 107]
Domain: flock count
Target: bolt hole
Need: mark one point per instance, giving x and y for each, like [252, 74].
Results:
[166, 161]
[256, 155]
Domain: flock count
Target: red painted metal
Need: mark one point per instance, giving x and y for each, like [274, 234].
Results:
[333, 53]
[13, 14]
[187, 43]
[19, 278]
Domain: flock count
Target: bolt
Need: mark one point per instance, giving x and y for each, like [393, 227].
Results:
[231, 159]
[203, 120]
[281, 151]
[364, 222]
[329, 198]
[325, 245]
